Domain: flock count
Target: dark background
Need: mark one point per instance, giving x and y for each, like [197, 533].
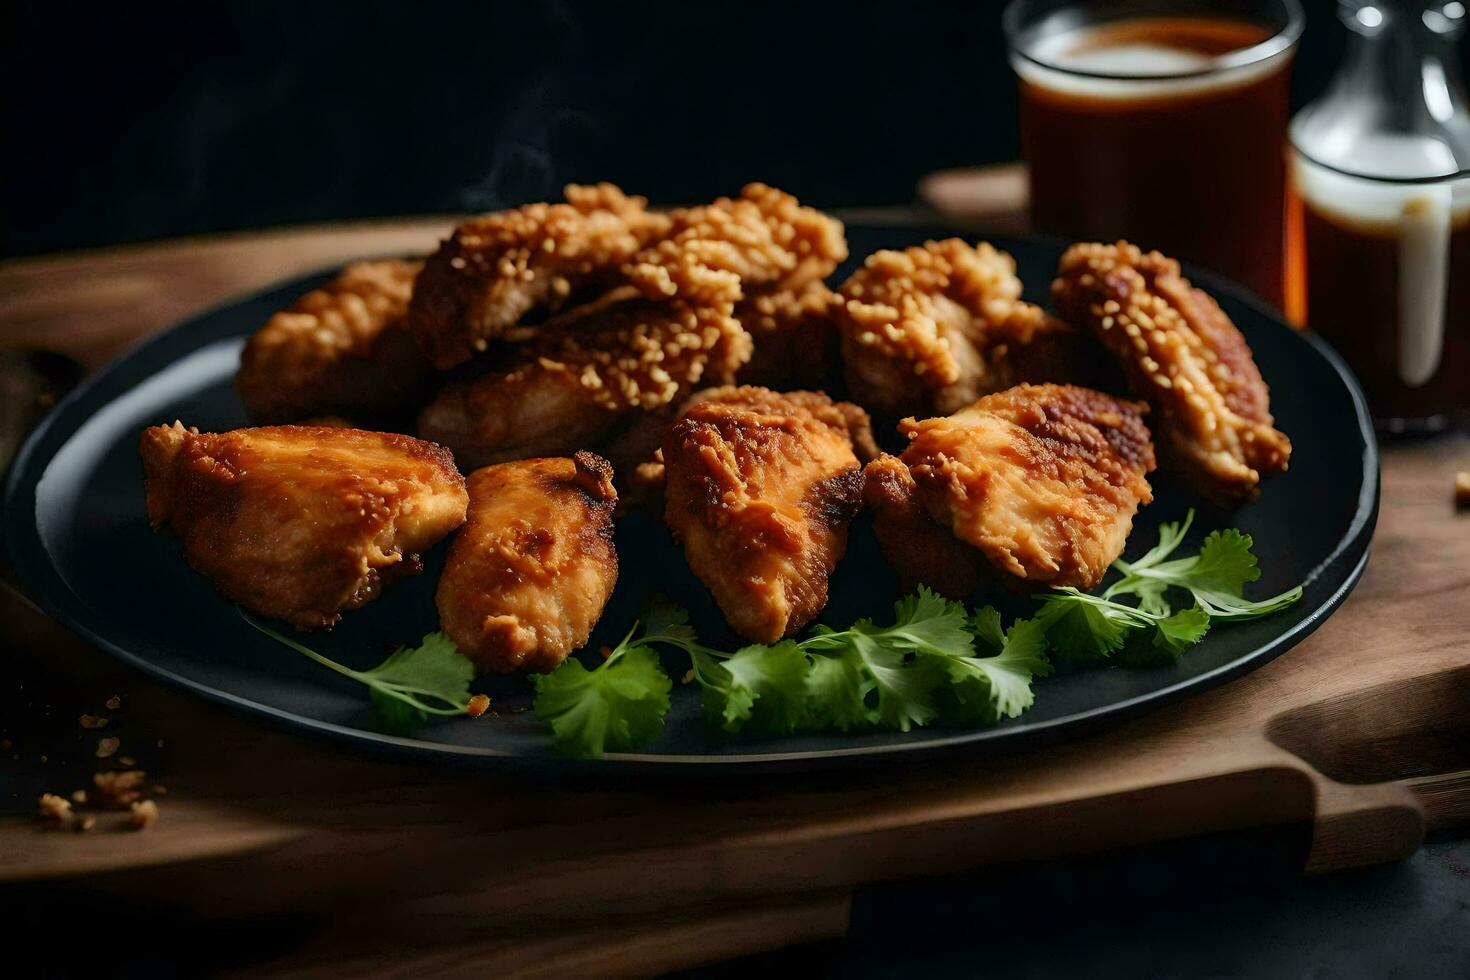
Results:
[129, 121]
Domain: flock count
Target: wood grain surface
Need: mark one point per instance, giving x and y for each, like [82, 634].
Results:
[1361, 733]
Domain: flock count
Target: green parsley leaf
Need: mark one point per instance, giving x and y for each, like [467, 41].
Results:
[1182, 630]
[618, 705]
[1086, 627]
[991, 688]
[414, 683]
[837, 690]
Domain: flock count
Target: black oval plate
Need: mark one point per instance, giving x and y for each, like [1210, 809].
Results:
[76, 528]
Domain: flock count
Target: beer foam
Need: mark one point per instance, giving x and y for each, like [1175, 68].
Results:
[1141, 69]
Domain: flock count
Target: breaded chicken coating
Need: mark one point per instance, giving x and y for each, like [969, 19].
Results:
[301, 522]
[762, 241]
[338, 349]
[1180, 351]
[760, 489]
[931, 328]
[569, 387]
[501, 269]
[1040, 482]
[528, 575]
[795, 341]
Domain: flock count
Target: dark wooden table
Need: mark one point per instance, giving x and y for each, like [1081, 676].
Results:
[307, 857]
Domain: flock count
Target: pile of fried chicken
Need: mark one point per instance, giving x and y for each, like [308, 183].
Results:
[560, 364]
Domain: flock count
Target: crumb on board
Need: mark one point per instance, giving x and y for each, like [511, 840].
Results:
[119, 789]
[93, 721]
[127, 760]
[144, 814]
[114, 702]
[79, 797]
[84, 823]
[1462, 490]
[55, 811]
[478, 705]
[107, 747]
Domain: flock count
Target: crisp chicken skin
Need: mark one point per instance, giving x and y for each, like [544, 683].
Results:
[501, 269]
[795, 343]
[760, 488]
[571, 386]
[929, 329]
[1181, 352]
[301, 522]
[340, 349]
[528, 575]
[1039, 481]
[762, 241]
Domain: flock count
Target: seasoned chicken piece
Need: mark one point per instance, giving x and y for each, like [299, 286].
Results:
[529, 573]
[338, 349]
[760, 489]
[501, 269]
[301, 522]
[571, 386]
[929, 329]
[795, 341]
[762, 241]
[1180, 351]
[1040, 481]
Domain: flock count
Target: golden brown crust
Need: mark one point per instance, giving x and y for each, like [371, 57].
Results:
[1042, 481]
[338, 349]
[1182, 353]
[528, 575]
[795, 341]
[496, 270]
[921, 551]
[569, 387]
[760, 488]
[931, 328]
[763, 240]
[301, 522]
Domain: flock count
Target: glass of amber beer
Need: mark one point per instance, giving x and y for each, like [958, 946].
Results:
[1162, 122]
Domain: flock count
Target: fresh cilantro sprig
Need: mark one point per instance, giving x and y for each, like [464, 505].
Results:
[1083, 626]
[923, 668]
[414, 683]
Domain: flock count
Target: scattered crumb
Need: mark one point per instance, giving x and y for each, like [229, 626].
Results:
[119, 789]
[160, 790]
[114, 702]
[478, 705]
[93, 721]
[106, 747]
[79, 797]
[54, 811]
[1462, 490]
[144, 814]
[160, 743]
[127, 760]
[84, 823]
[44, 760]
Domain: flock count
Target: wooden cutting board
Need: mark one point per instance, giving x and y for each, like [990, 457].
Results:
[1362, 734]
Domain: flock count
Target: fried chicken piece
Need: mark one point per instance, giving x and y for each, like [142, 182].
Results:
[501, 269]
[1040, 481]
[762, 241]
[760, 488]
[795, 341]
[1182, 353]
[301, 522]
[931, 328]
[338, 349]
[570, 387]
[528, 575]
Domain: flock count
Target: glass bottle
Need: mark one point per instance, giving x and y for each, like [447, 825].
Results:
[1380, 220]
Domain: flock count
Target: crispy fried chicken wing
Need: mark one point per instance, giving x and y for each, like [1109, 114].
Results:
[762, 241]
[1040, 481]
[529, 573]
[760, 488]
[931, 328]
[570, 387]
[301, 522]
[794, 338]
[497, 270]
[1182, 353]
[338, 349]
